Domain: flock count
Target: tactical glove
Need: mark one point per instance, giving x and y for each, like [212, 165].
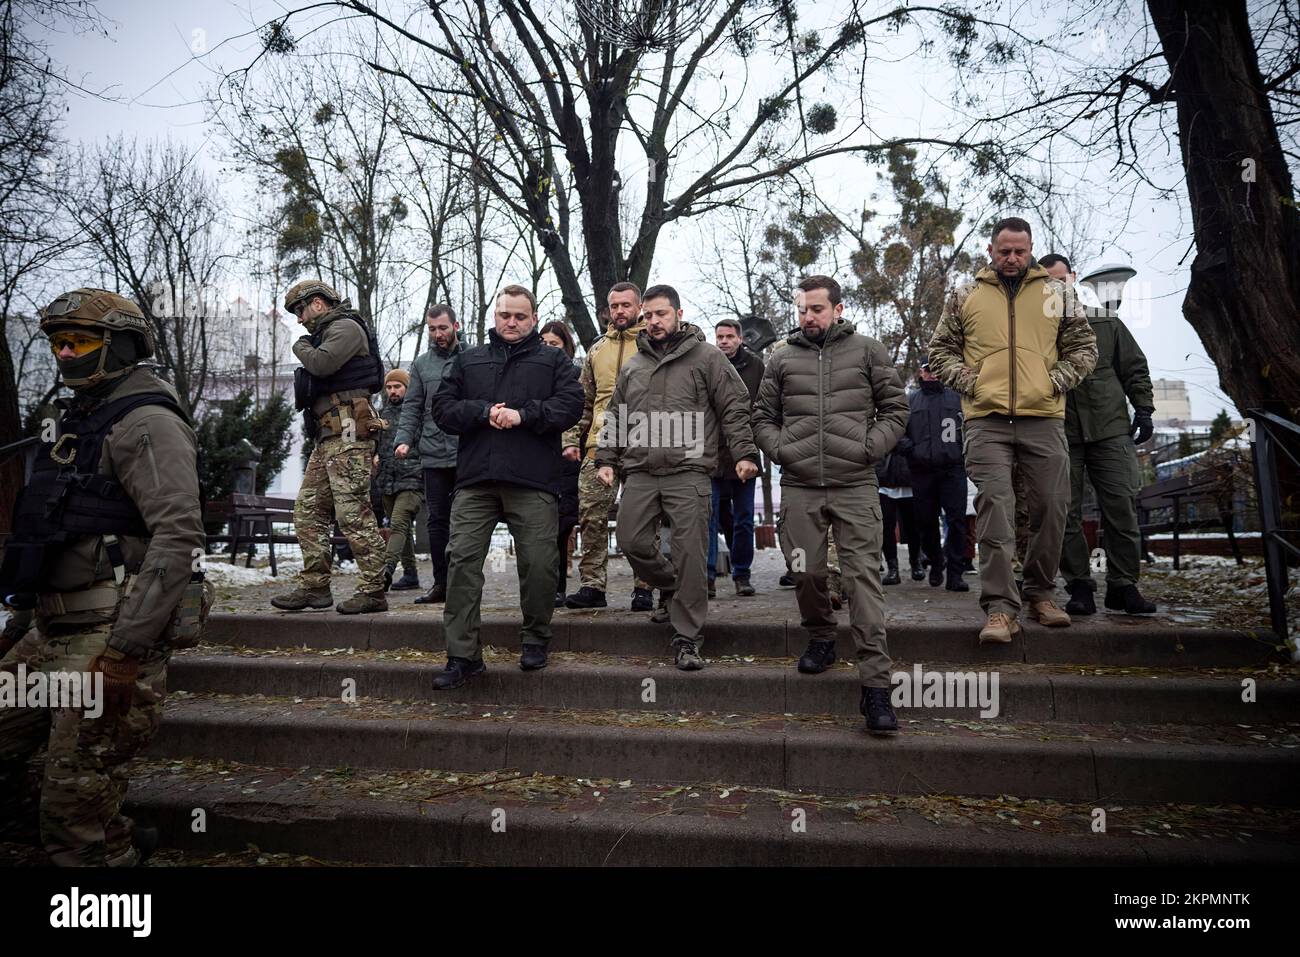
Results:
[120, 672]
[1142, 427]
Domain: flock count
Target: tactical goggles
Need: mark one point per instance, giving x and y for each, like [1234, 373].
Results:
[80, 343]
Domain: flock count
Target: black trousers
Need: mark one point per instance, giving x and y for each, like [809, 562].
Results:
[934, 490]
[438, 487]
[897, 512]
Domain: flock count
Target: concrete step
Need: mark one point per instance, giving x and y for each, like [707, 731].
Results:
[1103, 639]
[589, 682]
[1053, 760]
[506, 818]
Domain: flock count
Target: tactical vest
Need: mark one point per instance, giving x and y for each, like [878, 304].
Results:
[360, 372]
[67, 498]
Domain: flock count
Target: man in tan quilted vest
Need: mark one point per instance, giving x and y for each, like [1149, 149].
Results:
[1013, 341]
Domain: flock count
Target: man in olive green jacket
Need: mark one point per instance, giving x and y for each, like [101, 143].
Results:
[1101, 439]
[1013, 342]
[672, 404]
[830, 407]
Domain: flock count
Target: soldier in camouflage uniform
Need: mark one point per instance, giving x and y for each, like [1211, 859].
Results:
[1013, 342]
[106, 560]
[340, 371]
[600, 369]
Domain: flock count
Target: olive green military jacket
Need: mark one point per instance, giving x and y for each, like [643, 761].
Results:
[1096, 409]
[152, 453]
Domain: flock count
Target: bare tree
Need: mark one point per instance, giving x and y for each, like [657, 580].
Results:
[152, 224]
[561, 96]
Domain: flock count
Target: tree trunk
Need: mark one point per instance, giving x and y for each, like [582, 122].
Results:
[11, 430]
[1244, 294]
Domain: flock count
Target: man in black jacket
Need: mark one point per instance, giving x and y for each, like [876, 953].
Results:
[726, 487]
[933, 446]
[509, 402]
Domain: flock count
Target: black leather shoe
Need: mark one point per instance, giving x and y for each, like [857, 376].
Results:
[457, 672]
[936, 577]
[786, 581]
[533, 657]
[1128, 599]
[891, 576]
[559, 599]
[918, 574]
[388, 576]
[819, 656]
[434, 596]
[410, 580]
[643, 599]
[1081, 601]
[956, 582]
[743, 588]
[875, 707]
[586, 597]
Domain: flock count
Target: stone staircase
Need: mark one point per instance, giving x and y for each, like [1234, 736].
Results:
[312, 734]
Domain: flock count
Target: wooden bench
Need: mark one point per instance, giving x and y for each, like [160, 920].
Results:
[250, 520]
[1178, 493]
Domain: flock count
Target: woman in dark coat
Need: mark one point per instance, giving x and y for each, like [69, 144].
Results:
[557, 335]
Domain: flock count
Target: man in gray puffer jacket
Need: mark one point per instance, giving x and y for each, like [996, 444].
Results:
[829, 408]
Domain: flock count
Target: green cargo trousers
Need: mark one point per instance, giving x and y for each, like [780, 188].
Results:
[532, 519]
[808, 515]
[402, 509]
[685, 498]
[993, 444]
[1111, 467]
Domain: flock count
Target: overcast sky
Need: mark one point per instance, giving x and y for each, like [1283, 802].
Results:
[147, 64]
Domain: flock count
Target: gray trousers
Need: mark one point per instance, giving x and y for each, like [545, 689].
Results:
[808, 515]
[993, 444]
[685, 499]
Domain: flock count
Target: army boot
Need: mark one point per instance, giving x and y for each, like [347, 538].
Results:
[879, 712]
[1128, 599]
[301, 598]
[660, 615]
[1081, 600]
[410, 579]
[362, 602]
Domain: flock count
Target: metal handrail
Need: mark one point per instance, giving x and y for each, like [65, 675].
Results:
[1271, 433]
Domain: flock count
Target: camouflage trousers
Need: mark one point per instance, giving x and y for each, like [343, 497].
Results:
[595, 499]
[337, 485]
[85, 781]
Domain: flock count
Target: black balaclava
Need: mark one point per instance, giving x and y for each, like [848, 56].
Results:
[120, 353]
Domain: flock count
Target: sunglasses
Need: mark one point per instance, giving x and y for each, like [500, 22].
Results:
[79, 343]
